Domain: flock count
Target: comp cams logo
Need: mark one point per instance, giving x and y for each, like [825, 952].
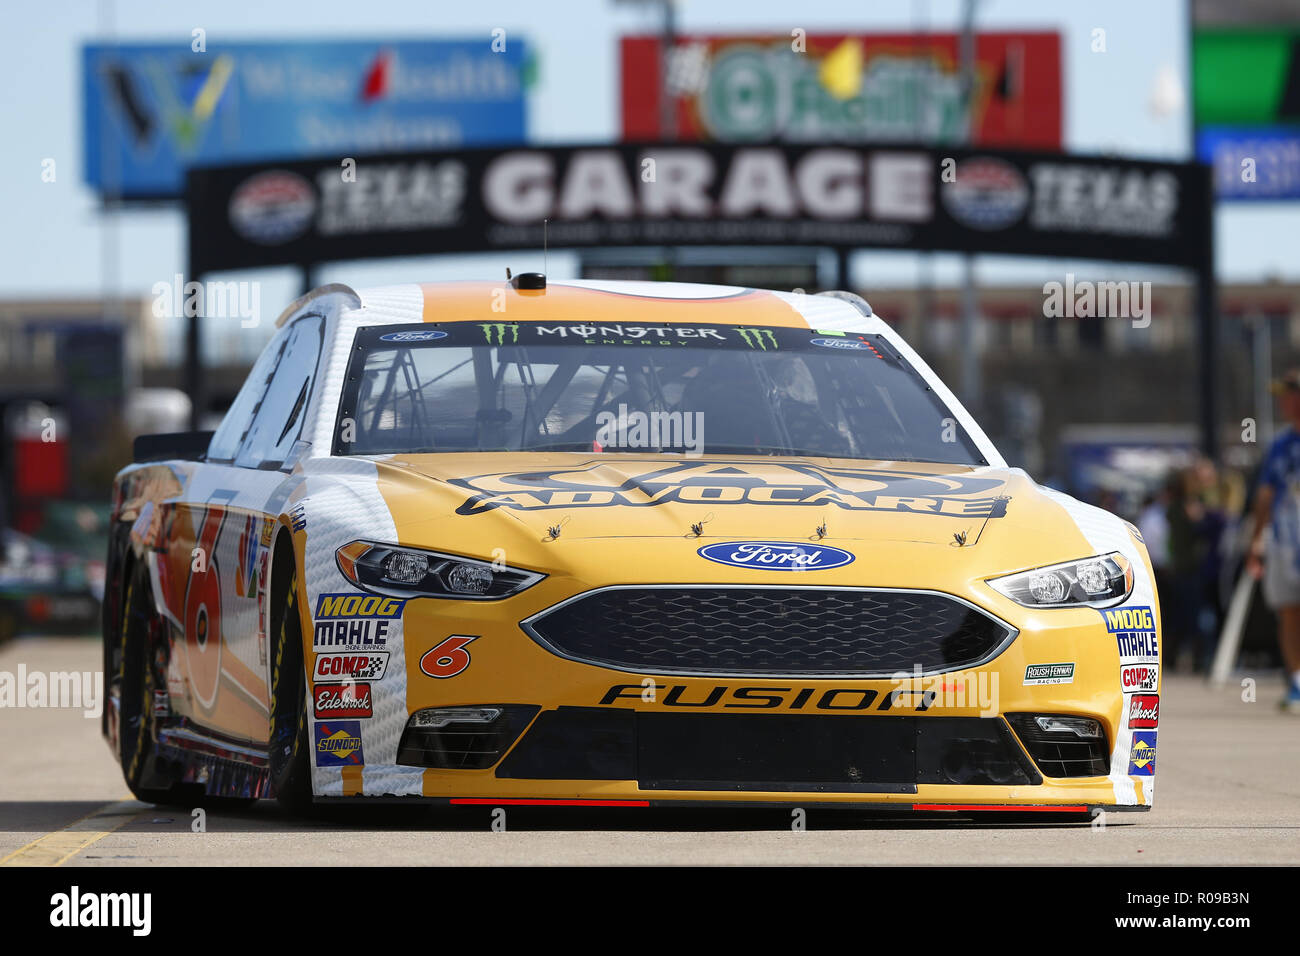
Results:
[1139, 677]
[367, 666]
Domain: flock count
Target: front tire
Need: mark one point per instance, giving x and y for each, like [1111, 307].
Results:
[289, 752]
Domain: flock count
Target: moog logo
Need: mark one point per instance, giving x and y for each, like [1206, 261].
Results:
[776, 555]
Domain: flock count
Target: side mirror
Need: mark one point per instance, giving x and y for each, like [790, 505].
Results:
[188, 446]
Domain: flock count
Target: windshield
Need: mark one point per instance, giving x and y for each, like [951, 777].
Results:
[671, 388]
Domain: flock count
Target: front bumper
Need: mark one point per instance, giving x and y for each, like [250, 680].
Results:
[688, 739]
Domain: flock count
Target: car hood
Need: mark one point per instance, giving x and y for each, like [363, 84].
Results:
[755, 497]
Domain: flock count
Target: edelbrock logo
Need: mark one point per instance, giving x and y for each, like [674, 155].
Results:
[775, 555]
[426, 336]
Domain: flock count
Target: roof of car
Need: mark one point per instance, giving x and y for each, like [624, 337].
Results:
[602, 302]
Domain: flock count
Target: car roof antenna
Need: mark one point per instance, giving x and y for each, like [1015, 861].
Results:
[508, 276]
[545, 271]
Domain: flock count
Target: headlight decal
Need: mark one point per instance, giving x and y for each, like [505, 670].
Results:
[1099, 581]
[416, 572]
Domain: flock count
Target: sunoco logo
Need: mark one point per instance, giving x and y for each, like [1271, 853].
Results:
[1142, 758]
[758, 338]
[500, 333]
[775, 556]
[338, 743]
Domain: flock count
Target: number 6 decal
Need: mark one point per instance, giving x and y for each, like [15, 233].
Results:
[449, 658]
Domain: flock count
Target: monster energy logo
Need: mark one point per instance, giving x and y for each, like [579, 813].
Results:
[495, 332]
[759, 338]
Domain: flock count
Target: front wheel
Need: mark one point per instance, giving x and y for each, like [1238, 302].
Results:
[289, 752]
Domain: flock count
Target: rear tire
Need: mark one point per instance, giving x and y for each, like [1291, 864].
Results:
[289, 752]
[137, 731]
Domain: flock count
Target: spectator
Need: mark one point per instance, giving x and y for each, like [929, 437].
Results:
[1276, 556]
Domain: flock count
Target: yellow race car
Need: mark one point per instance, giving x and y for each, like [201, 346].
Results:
[617, 543]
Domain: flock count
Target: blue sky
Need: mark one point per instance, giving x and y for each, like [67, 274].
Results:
[56, 240]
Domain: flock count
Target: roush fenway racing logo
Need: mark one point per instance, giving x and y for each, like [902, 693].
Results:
[334, 701]
[1144, 711]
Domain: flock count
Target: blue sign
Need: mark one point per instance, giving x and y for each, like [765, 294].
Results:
[1252, 164]
[152, 110]
[776, 555]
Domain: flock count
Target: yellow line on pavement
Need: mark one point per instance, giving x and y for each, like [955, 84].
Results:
[59, 846]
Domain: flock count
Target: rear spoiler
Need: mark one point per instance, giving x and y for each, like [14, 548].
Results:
[187, 446]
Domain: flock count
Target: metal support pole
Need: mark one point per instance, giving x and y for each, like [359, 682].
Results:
[972, 385]
[842, 279]
[1207, 322]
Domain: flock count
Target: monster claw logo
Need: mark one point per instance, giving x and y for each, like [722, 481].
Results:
[495, 332]
[758, 338]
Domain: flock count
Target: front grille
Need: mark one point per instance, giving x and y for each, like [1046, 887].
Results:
[1062, 754]
[770, 630]
[866, 754]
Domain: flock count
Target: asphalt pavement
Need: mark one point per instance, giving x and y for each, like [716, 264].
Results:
[1228, 792]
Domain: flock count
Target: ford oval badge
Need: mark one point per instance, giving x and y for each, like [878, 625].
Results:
[776, 555]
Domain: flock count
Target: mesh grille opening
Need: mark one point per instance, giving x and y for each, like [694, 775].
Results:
[774, 630]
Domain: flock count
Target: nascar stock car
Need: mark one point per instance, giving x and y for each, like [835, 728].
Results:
[620, 543]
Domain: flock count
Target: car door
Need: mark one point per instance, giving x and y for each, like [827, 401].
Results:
[231, 504]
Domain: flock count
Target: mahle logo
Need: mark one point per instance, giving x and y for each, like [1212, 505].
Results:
[496, 332]
[758, 338]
